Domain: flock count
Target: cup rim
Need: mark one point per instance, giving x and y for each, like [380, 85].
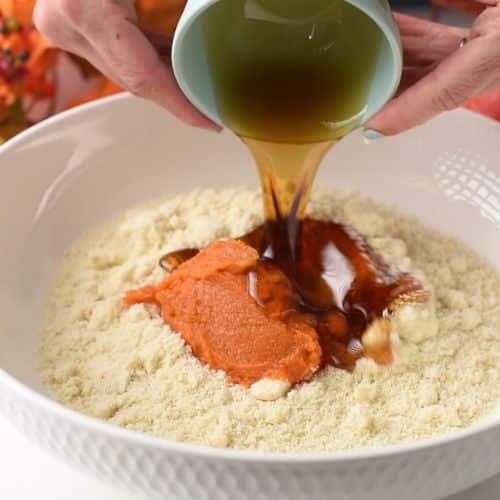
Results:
[184, 25]
[397, 53]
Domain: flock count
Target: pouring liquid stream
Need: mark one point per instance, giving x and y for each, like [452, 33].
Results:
[291, 80]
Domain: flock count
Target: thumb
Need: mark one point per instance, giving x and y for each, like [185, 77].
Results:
[468, 71]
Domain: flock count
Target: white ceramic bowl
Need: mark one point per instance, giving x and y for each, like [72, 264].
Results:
[77, 169]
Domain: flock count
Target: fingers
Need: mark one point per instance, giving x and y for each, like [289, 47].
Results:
[425, 50]
[422, 52]
[417, 27]
[425, 42]
[87, 52]
[468, 71]
[124, 47]
[105, 33]
[414, 26]
[161, 43]
[487, 22]
[412, 74]
[49, 21]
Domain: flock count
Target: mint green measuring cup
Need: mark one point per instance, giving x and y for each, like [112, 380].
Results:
[192, 72]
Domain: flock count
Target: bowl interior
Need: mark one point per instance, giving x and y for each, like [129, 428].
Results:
[79, 169]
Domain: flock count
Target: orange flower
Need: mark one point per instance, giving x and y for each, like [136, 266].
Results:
[488, 104]
[158, 15]
[21, 10]
[26, 61]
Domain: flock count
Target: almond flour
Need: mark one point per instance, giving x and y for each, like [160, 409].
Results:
[126, 366]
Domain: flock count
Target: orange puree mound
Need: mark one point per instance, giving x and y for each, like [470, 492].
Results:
[210, 301]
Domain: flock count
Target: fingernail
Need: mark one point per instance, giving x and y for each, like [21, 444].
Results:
[372, 135]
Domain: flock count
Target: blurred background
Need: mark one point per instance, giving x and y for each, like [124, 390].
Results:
[37, 80]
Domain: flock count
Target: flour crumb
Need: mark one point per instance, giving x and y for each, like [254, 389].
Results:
[416, 322]
[269, 390]
[126, 366]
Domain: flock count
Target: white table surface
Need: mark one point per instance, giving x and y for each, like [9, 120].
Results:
[27, 473]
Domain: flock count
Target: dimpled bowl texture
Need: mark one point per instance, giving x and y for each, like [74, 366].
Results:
[87, 165]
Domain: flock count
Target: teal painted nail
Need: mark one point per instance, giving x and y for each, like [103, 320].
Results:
[372, 135]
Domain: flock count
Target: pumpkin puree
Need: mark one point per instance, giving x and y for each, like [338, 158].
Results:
[209, 300]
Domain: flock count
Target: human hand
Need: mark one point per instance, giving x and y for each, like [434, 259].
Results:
[105, 32]
[439, 75]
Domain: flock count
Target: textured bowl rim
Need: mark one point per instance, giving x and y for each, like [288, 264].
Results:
[207, 452]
